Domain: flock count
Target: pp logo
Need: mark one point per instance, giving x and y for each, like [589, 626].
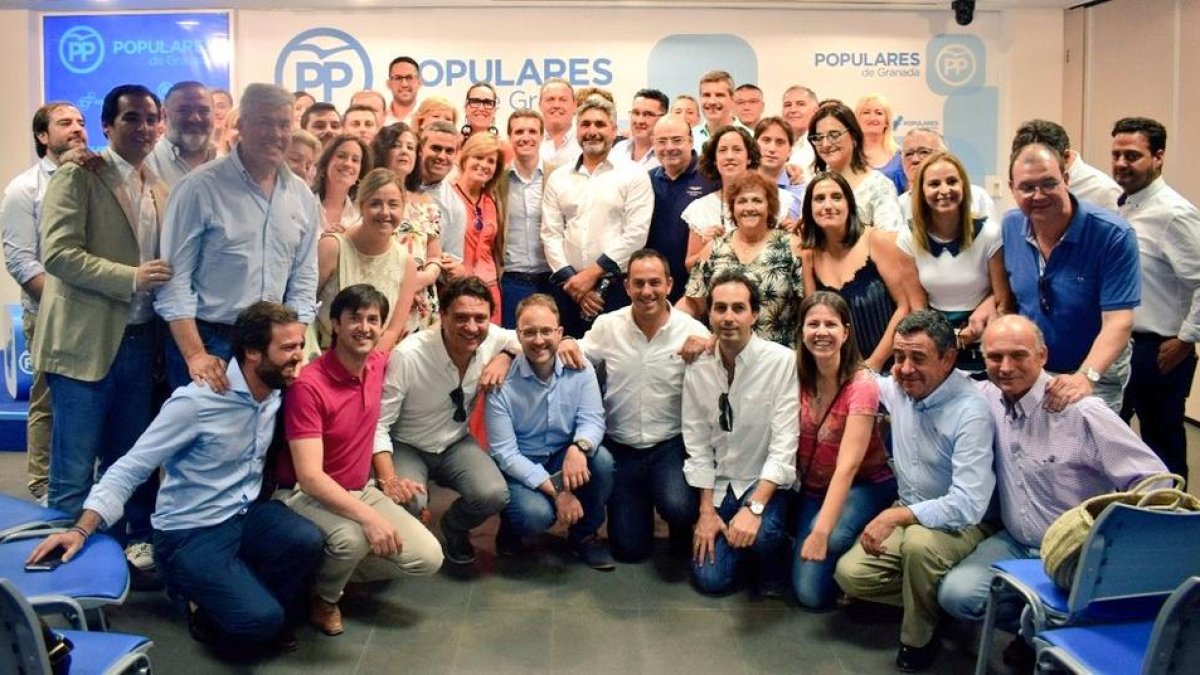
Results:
[25, 363]
[323, 59]
[81, 49]
[956, 62]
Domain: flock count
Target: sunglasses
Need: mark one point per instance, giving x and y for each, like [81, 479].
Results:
[478, 218]
[456, 397]
[1044, 293]
[726, 412]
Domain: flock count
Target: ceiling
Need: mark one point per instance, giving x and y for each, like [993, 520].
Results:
[102, 5]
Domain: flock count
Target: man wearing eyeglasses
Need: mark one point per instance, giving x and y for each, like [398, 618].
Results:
[919, 144]
[429, 391]
[404, 81]
[545, 427]
[1073, 268]
[638, 150]
[740, 428]
[748, 101]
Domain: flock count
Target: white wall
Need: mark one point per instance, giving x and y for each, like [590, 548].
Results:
[18, 51]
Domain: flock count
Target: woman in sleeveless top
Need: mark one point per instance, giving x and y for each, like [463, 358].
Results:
[841, 462]
[368, 253]
[874, 115]
[860, 263]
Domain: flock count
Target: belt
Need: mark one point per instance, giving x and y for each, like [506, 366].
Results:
[138, 329]
[1153, 337]
[222, 330]
[530, 277]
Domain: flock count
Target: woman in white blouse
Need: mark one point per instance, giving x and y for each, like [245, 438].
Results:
[838, 142]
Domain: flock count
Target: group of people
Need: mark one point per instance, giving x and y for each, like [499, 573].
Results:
[734, 321]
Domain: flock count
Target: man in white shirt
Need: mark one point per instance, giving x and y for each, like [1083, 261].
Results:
[1083, 180]
[649, 105]
[557, 103]
[428, 395]
[1166, 325]
[740, 428]
[187, 143]
[594, 216]
[716, 106]
[404, 81]
[638, 348]
[57, 127]
[748, 102]
[919, 144]
[799, 106]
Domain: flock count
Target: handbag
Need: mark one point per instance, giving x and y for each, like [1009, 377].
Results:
[1064, 539]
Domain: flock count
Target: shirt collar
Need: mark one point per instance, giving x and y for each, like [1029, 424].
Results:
[537, 171]
[1032, 399]
[235, 156]
[47, 165]
[337, 371]
[237, 383]
[600, 168]
[1074, 229]
[1145, 194]
[125, 169]
[524, 369]
[945, 392]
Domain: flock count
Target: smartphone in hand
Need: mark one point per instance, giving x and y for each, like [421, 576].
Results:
[49, 563]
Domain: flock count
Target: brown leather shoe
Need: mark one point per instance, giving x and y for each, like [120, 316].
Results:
[326, 617]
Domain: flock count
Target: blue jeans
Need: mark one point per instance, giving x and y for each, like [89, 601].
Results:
[531, 512]
[250, 574]
[514, 288]
[813, 581]
[573, 323]
[647, 479]
[769, 546]
[217, 342]
[100, 421]
[1158, 401]
[963, 592]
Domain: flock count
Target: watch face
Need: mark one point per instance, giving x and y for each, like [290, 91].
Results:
[756, 508]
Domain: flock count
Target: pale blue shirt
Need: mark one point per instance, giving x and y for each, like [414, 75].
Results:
[942, 451]
[19, 215]
[523, 250]
[212, 448]
[529, 420]
[230, 245]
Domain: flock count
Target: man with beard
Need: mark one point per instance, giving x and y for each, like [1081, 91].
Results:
[188, 111]
[676, 184]
[241, 565]
[594, 216]
[330, 418]
[96, 336]
[57, 128]
[649, 105]
[239, 229]
[525, 268]
[439, 145]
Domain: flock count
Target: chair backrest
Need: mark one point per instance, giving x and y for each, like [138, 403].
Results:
[22, 651]
[1136, 553]
[1175, 642]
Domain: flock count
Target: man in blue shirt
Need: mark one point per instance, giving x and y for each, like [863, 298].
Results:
[676, 184]
[550, 420]
[237, 230]
[1073, 268]
[942, 435]
[525, 268]
[244, 566]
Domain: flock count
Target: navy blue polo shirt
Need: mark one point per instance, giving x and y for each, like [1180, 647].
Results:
[668, 233]
[1093, 269]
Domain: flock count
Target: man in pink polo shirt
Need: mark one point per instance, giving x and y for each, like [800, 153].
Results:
[330, 415]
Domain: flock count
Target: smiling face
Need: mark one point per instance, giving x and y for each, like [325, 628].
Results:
[730, 316]
[798, 109]
[525, 136]
[750, 209]
[688, 110]
[384, 208]
[1039, 186]
[642, 116]
[830, 209]
[404, 83]
[1013, 357]
[673, 145]
[465, 323]
[540, 334]
[325, 125]
[823, 333]
[345, 166]
[481, 108]
[356, 331]
[716, 103]
[942, 188]
[595, 133]
[918, 368]
[437, 155]
[361, 123]
[402, 156]
[189, 114]
[648, 285]
[873, 118]
[1134, 165]
[134, 130]
[732, 157]
[65, 131]
[836, 146]
[264, 134]
[277, 368]
[478, 170]
[557, 103]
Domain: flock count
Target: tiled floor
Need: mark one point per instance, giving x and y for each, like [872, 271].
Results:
[545, 613]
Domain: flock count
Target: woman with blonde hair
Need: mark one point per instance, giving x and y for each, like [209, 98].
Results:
[875, 116]
[229, 133]
[480, 168]
[434, 108]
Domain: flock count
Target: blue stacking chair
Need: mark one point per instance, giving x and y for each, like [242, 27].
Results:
[19, 515]
[23, 651]
[1133, 558]
[97, 576]
[1168, 644]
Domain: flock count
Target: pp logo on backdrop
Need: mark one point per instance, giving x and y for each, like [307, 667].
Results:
[81, 49]
[956, 62]
[323, 60]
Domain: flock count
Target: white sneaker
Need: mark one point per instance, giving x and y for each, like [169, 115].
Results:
[141, 556]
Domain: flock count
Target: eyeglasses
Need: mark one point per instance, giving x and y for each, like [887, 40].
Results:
[831, 136]
[402, 78]
[532, 333]
[1044, 296]
[456, 397]
[726, 412]
[918, 152]
[1047, 186]
[486, 103]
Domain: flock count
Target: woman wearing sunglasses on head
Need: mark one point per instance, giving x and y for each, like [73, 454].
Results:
[480, 166]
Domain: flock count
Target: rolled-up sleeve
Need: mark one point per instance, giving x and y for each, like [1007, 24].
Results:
[700, 467]
[394, 383]
[780, 467]
[18, 219]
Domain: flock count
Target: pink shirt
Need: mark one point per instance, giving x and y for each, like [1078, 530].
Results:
[329, 403]
[820, 440]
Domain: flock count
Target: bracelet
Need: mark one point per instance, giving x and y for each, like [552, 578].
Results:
[81, 531]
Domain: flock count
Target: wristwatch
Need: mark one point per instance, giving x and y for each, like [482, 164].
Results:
[1090, 373]
[756, 508]
[584, 445]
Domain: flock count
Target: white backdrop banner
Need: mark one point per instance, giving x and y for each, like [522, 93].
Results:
[933, 72]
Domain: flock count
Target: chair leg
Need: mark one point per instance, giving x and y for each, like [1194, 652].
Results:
[989, 627]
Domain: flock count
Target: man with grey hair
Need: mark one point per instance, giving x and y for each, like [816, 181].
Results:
[594, 216]
[919, 144]
[799, 106]
[557, 104]
[1046, 462]
[942, 436]
[439, 143]
[240, 229]
[187, 144]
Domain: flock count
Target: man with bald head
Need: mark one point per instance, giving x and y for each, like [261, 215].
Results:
[919, 144]
[1073, 268]
[1045, 462]
[676, 184]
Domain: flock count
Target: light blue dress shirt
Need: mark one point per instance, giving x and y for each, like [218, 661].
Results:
[523, 250]
[229, 245]
[212, 448]
[19, 215]
[529, 420]
[942, 451]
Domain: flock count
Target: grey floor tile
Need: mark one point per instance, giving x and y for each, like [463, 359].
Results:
[498, 641]
[689, 641]
[783, 640]
[413, 641]
[597, 642]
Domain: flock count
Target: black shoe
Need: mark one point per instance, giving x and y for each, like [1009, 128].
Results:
[912, 659]
[1019, 655]
[286, 641]
[594, 553]
[508, 544]
[457, 546]
[201, 628]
